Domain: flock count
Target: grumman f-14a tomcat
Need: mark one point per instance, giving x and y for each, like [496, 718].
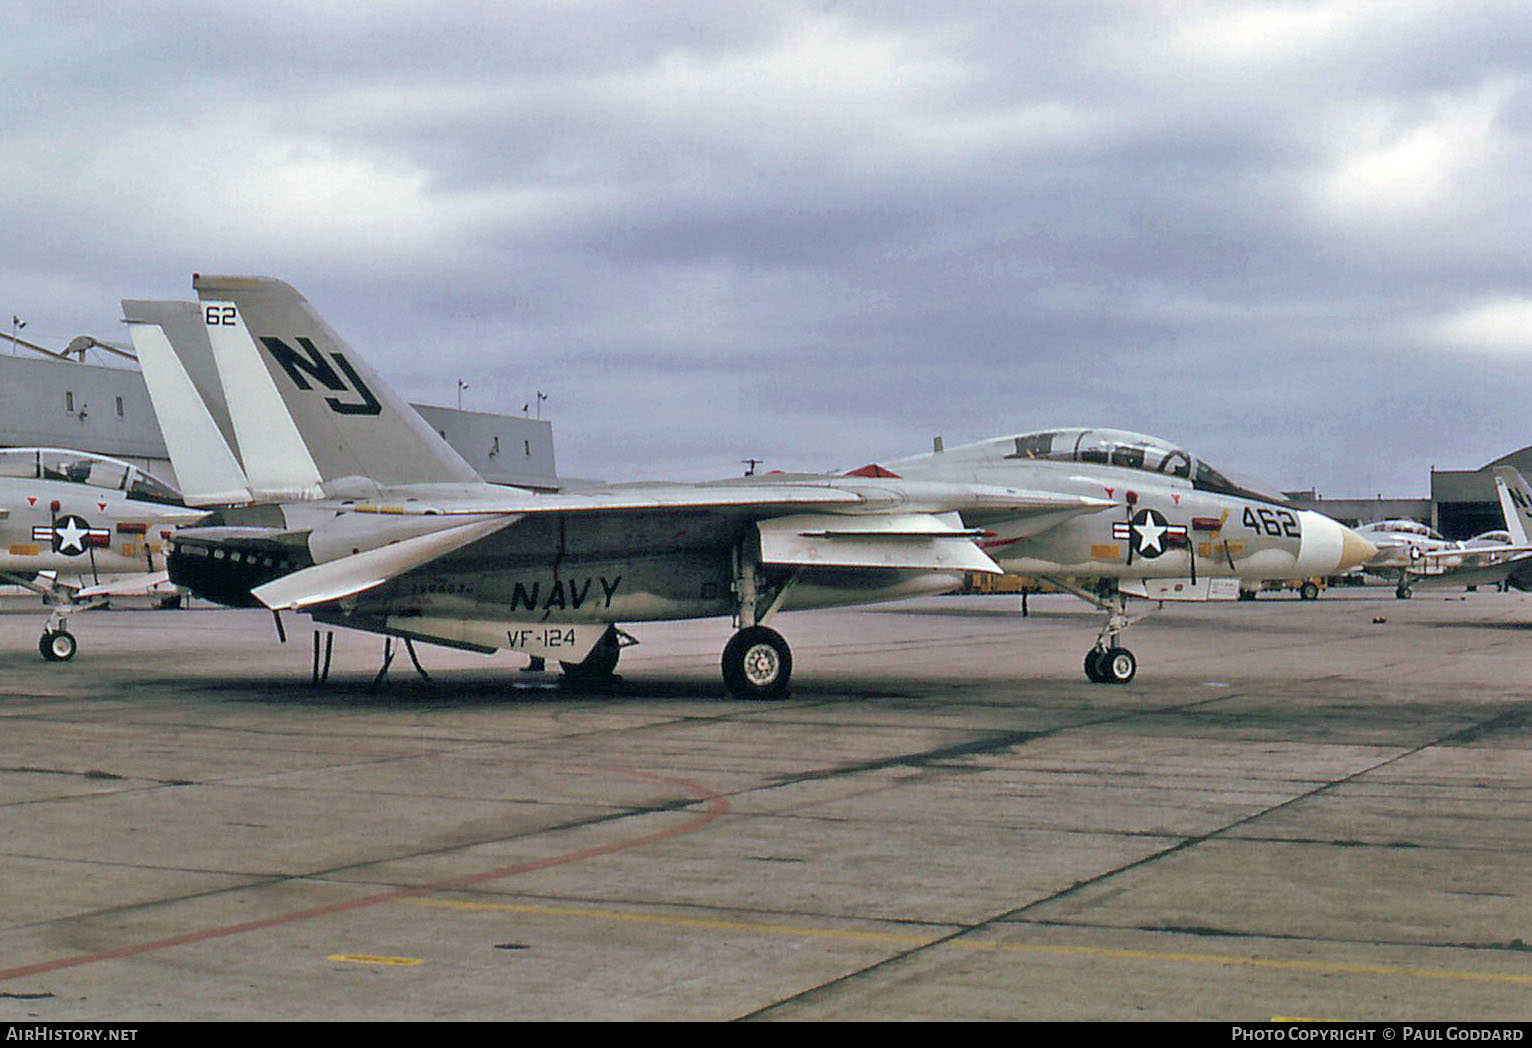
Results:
[1413, 555]
[367, 519]
[78, 528]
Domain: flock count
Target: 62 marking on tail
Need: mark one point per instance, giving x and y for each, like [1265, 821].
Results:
[309, 362]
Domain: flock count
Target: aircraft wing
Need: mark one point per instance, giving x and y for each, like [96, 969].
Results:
[831, 494]
[824, 525]
[1478, 554]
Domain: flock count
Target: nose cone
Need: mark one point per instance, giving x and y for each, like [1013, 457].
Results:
[1329, 547]
[1355, 550]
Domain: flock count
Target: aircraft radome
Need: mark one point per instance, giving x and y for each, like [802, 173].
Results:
[341, 502]
[78, 528]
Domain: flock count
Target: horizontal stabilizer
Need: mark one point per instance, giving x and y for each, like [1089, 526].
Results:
[348, 576]
[919, 541]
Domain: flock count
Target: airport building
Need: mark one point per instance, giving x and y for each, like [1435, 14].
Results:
[1462, 503]
[106, 410]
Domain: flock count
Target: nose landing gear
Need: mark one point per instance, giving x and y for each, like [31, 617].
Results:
[1108, 662]
[57, 645]
[1112, 665]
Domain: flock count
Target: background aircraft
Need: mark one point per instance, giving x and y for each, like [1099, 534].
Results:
[78, 528]
[1414, 555]
[367, 519]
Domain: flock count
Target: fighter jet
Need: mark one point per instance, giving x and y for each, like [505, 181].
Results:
[368, 520]
[78, 528]
[1414, 555]
[1179, 528]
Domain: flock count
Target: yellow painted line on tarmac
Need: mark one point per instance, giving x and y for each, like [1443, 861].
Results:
[366, 958]
[1161, 956]
[675, 922]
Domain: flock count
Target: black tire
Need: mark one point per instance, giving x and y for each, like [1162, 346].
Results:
[1093, 666]
[1308, 591]
[599, 664]
[757, 664]
[1403, 592]
[57, 646]
[1118, 666]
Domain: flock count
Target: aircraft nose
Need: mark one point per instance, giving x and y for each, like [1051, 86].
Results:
[1329, 547]
[1355, 550]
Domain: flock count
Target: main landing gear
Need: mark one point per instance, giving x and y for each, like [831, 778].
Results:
[757, 663]
[1108, 662]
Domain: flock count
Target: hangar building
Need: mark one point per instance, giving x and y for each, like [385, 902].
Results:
[1462, 503]
[106, 410]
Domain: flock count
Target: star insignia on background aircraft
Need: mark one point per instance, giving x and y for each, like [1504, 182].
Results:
[1413, 554]
[48, 546]
[72, 535]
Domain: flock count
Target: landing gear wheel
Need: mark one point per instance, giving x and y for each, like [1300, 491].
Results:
[757, 664]
[1093, 666]
[57, 645]
[597, 666]
[1402, 592]
[1308, 591]
[1116, 666]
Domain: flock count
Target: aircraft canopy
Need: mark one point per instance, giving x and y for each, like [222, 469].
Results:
[82, 467]
[1116, 447]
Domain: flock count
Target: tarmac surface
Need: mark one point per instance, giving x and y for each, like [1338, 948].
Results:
[1295, 811]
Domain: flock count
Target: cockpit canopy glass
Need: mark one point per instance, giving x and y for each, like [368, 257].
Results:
[1115, 447]
[81, 467]
[1404, 527]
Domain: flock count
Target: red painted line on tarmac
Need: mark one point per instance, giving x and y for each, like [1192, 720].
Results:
[716, 807]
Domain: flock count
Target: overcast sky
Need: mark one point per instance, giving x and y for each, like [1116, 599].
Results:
[1294, 237]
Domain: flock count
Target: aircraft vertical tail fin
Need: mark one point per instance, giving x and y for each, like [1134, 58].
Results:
[1515, 503]
[349, 421]
[188, 401]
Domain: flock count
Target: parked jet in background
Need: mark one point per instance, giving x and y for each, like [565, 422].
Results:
[78, 528]
[1414, 555]
[369, 520]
